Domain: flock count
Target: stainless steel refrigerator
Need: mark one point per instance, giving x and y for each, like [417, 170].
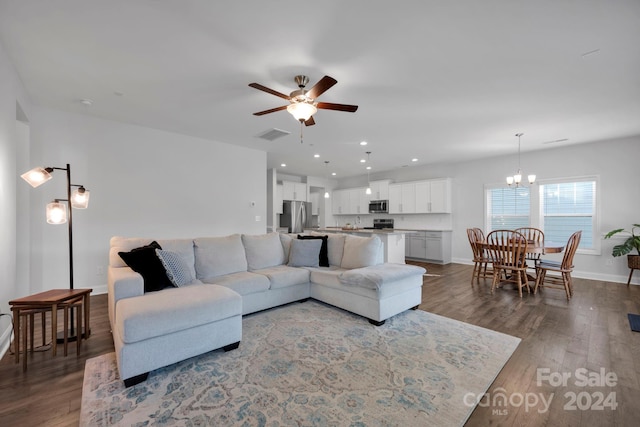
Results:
[296, 216]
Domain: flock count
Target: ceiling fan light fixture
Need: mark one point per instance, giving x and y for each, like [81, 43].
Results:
[302, 111]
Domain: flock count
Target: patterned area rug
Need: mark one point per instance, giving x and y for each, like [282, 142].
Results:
[310, 364]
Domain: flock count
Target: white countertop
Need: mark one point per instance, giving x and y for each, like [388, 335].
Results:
[357, 230]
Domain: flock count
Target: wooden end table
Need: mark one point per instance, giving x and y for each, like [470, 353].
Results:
[48, 300]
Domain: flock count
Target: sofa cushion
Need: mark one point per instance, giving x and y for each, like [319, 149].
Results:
[360, 251]
[323, 260]
[335, 247]
[304, 253]
[282, 276]
[173, 310]
[285, 239]
[176, 268]
[218, 256]
[263, 251]
[243, 282]
[143, 260]
[330, 278]
[376, 276]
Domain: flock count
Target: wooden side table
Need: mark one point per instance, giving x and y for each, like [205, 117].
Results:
[44, 301]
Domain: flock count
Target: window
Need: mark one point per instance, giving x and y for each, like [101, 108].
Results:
[507, 208]
[567, 206]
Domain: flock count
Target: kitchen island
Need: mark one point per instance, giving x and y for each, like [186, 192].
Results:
[392, 240]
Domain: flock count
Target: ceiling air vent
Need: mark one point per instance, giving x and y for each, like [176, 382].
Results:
[273, 134]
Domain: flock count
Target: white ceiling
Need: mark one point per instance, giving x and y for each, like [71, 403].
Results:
[441, 81]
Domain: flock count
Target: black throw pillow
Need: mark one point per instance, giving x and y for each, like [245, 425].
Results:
[324, 251]
[144, 260]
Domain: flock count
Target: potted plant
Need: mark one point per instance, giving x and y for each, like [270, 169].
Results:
[632, 242]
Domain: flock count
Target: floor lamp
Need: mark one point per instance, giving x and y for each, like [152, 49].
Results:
[57, 212]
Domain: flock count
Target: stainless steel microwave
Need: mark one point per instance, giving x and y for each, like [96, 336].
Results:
[379, 206]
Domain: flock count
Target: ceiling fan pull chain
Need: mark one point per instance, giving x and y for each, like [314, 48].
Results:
[301, 131]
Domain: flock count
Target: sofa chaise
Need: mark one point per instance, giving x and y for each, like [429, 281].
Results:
[216, 280]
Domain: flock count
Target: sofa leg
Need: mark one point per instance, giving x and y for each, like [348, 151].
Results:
[415, 307]
[231, 346]
[135, 380]
[376, 323]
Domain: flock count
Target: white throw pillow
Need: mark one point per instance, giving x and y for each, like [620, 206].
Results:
[263, 251]
[361, 251]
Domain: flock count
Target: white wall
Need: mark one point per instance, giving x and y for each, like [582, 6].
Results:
[143, 183]
[615, 162]
[11, 92]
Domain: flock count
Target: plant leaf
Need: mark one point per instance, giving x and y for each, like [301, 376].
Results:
[611, 233]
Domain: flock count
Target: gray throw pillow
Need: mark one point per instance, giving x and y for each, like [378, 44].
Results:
[178, 270]
[304, 253]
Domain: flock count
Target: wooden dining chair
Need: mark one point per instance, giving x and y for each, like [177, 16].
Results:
[480, 258]
[533, 236]
[507, 250]
[563, 280]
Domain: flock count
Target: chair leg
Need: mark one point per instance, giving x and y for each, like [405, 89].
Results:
[496, 273]
[66, 329]
[565, 282]
[475, 274]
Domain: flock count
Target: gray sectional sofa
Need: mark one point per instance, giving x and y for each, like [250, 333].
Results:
[222, 278]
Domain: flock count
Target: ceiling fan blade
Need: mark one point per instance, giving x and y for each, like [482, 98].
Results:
[321, 87]
[310, 122]
[338, 107]
[273, 110]
[266, 89]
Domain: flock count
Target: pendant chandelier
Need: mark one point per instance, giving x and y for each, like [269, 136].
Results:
[368, 190]
[326, 191]
[517, 178]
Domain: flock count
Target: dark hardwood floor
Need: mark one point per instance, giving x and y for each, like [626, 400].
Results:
[591, 331]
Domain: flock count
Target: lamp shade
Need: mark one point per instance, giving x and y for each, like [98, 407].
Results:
[36, 176]
[326, 195]
[56, 213]
[80, 198]
[368, 190]
[301, 110]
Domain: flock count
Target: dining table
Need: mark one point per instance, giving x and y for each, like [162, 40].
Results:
[534, 248]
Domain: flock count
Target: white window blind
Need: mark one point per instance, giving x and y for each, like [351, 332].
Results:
[569, 206]
[507, 208]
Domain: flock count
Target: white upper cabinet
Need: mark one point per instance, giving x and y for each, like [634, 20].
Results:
[340, 202]
[358, 201]
[440, 196]
[294, 191]
[430, 196]
[314, 198]
[379, 190]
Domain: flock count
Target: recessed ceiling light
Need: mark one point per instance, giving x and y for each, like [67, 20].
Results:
[86, 102]
[333, 173]
[368, 167]
[363, 161]
[414, 160]
[363, 143]
[316, 155]
[284, 165]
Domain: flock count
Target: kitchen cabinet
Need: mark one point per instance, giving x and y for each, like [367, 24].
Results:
[379, 190]
[279, 199]
[358, 201]
[439, 196]
[402, 198]
[429, 196]
[294, 191]
[430, 246]
[340, 202]
[314, 198]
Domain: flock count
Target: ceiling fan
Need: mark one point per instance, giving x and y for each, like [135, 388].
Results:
[302, 102]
